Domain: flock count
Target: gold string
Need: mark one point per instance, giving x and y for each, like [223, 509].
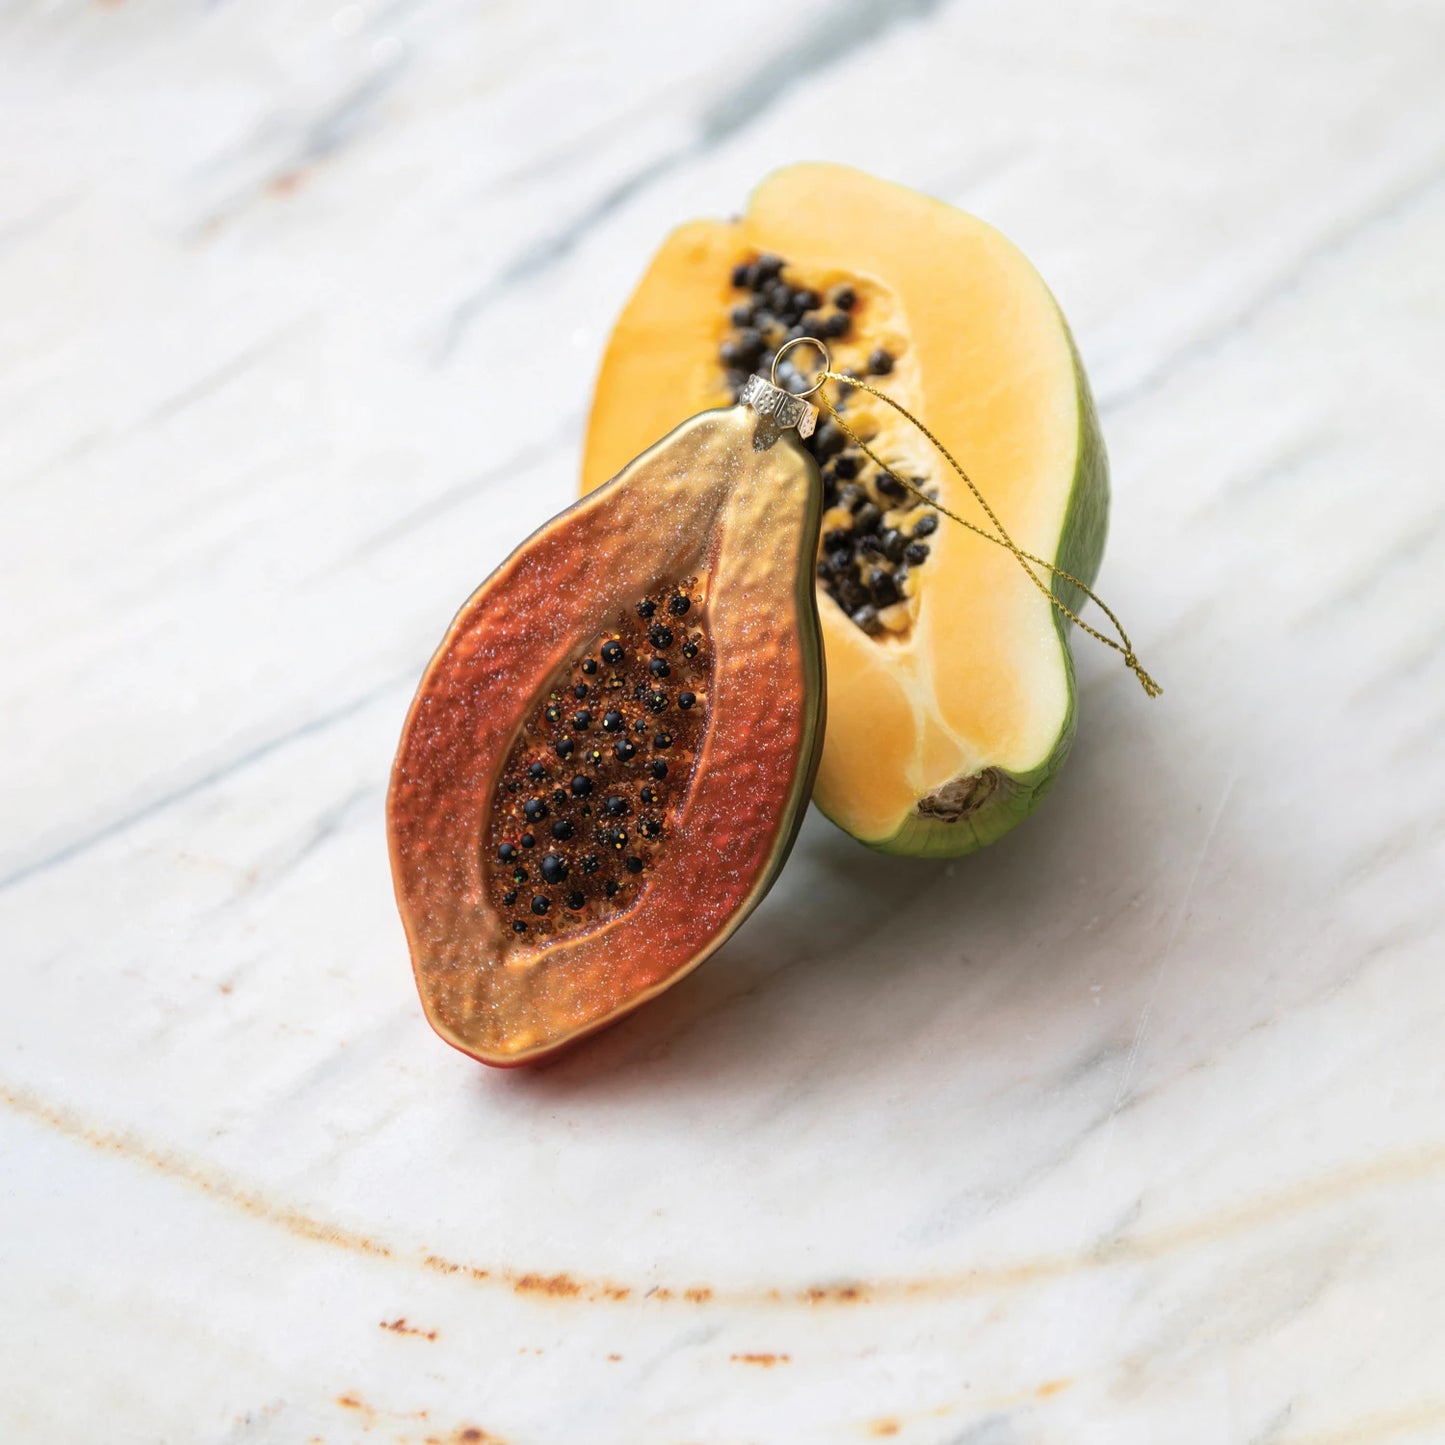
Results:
[1002, 539]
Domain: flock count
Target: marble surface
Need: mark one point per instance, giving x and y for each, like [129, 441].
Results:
[1130, 1130]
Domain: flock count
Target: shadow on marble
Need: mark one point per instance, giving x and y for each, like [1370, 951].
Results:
[855, 954]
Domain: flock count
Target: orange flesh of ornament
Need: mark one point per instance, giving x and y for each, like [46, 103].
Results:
[703, 505]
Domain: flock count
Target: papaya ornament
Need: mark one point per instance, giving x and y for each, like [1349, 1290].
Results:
[607, 760]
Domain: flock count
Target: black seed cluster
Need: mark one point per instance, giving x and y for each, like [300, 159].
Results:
[873, 528]
[597, 775]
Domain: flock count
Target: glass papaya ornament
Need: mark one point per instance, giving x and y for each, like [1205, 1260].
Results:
[608, 757]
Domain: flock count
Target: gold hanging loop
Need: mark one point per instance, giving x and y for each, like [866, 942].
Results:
[999, 536]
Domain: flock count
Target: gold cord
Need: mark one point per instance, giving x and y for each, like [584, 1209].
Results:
[1123, 646]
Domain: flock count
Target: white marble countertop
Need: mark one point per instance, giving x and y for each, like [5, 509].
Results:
[1130, 1130]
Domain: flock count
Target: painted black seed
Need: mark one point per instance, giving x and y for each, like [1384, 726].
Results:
[926, 525]
[659, 769]
[612, 886]
[616, 836]
[576, 900]
[626, 750]
[594, 757]
[679, 605]
[559, 795]
[844, 298]
[662, 740]
[648, 796]
[640, 691]
[553, 714]
[915, 552]
[615, 806]
[686, 699]
[509, 897]
[519, 925]
[689, 649]
[589, 665]
[646, 608]
[583, 720]
[581, 691]
[527, 841]
[845, 468]
[659, 635]
[541, 903]
[563, 747]
[657, 701]
[641, 725]
[534, 808]
[880, 363]
[634, 865]
[554, 868]
[591, 863]
[512, 785]
[506, 852]
[611, 721]
[612, 652]
[658, 667]
[537, 771]
[893, 544]
[519, 875]
[581, 786]
[649, 827]
[562, 829]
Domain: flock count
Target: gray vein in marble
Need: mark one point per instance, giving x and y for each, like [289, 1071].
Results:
[1325, 248]
[190, 787]
[843, 29]
[518, 465]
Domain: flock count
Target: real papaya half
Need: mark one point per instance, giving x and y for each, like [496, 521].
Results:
[951, 696]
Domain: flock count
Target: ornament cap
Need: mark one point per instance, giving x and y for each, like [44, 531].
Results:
[777, 411]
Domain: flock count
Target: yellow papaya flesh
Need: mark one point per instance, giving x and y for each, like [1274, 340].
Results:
[608, 757]
[950, 683]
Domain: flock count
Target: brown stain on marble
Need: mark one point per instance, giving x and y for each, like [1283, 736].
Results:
[1050, 1388]
[1305, 1197]
[400, 1327]
[879, 1429]
[410, 1421]
[767, 1361]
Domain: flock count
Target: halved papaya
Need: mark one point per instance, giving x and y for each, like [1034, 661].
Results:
[950, 684]
[608, 757]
